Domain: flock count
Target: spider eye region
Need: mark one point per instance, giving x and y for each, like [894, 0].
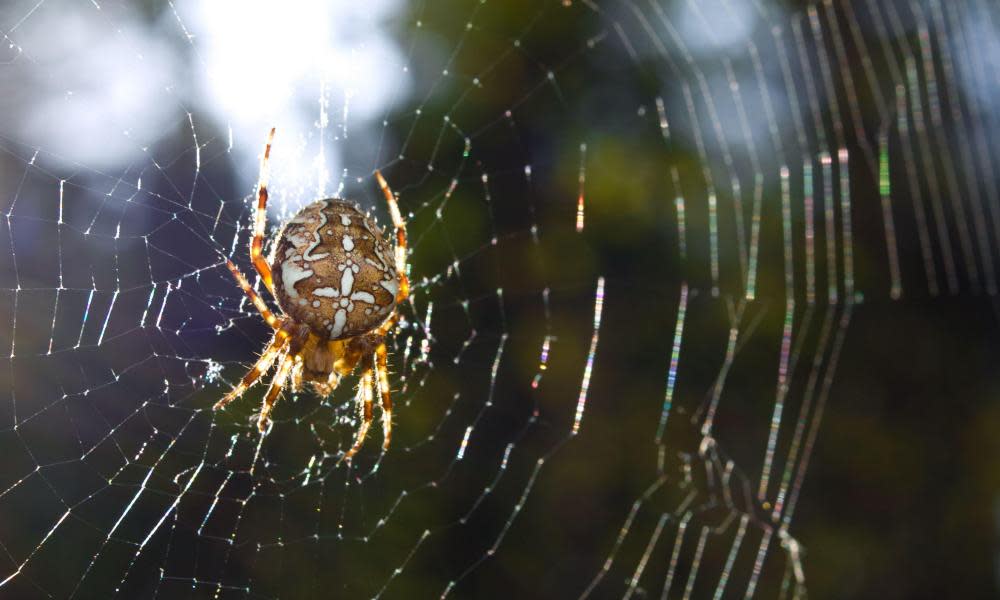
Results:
[334, 270]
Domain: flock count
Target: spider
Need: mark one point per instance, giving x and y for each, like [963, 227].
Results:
[338, 285]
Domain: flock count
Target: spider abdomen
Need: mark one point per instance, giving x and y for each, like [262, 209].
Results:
[334, 271]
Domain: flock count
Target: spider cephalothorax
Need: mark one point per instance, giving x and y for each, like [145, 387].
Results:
[337, 282]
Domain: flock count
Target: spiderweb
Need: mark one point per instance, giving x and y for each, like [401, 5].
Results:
[639, 235]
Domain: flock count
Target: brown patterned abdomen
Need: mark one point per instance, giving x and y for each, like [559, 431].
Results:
[333, 270]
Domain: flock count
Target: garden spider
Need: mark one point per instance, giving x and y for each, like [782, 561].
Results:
[339, 283]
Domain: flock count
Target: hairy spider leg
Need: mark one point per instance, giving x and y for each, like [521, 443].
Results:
[296, 375]
[260, 219]
[307, 349]
[272, 393]
[333, 380]
[272, 351]
[400, 224]
[272, 320]
[389, 323]
[365, 404]
[382, 372]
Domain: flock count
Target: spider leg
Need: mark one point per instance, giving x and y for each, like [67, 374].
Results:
[333, 380]
[260, 219]
[277, 384]
[382, 370]
[365, 401]
[260, 367]
[265, 312]
[400, 224]
[296, 375]
[384, 328]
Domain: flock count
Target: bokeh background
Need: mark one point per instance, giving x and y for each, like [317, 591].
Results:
[686, 170]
